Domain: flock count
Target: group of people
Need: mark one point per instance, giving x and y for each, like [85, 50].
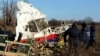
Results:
[84, 37]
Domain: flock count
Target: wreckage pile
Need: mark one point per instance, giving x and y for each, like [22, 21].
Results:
[32, 28]
[33, 34]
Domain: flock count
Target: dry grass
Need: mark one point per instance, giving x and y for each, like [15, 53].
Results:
[94, 51]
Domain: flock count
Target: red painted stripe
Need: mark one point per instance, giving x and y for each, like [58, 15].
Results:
[41, 39]
[23, 41]
[49, 37]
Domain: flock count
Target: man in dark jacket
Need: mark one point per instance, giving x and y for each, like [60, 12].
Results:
[85, 33]
[92, 34]
[74, 38]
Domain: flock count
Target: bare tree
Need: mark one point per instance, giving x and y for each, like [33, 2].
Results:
[54, 22]
[88, 19]
[8, 12]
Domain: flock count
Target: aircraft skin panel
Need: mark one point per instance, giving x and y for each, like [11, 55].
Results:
[26, 13]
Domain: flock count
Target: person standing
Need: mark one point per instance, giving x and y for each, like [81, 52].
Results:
[85, 34]
[74, 38]
[92, 34]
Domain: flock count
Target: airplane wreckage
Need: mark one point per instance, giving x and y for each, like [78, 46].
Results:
[32, 33]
